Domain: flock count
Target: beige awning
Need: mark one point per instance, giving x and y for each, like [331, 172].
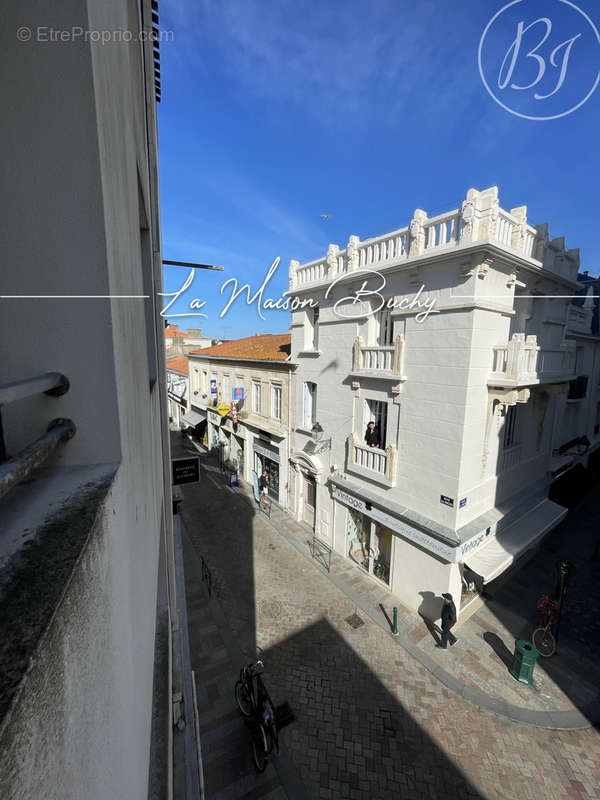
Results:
[499, 553]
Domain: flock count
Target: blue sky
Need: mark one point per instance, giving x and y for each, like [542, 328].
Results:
[277, 111]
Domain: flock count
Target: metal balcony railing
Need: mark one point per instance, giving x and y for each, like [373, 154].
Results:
[16, 469]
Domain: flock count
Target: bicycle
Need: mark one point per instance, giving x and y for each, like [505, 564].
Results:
[542, 637]
[256, 706]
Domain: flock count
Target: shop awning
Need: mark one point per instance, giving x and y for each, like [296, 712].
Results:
[497, 555]
[193, 418]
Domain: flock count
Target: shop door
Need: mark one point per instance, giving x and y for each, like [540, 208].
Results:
[272, 469]
[370, 546]
[310, 501]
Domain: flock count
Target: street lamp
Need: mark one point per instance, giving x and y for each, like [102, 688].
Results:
[317, 437]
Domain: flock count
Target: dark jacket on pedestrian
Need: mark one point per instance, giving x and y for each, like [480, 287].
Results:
[372, 437]
[262, 482]
[448, 615]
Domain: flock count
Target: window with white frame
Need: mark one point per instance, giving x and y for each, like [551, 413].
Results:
[226, 389]
[375, 411]
[310, 404]
[511, 427]
[204, 384]
[311, 328]
[256, 397]
[195, 380]
[276, 401]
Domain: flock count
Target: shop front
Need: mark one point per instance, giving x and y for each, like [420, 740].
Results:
[414, 565]
[237, 454]
[369, 545]
[266, 458]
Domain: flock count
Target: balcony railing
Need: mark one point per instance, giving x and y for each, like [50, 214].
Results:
[372, 462]
[479, 219]
[16, 469]
[521, 362]
[387, 359]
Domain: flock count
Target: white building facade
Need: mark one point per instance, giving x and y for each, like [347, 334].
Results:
[177, 390]
[257, 369]
[433, 332]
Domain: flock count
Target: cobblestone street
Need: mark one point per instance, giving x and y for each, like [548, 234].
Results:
[370, 721]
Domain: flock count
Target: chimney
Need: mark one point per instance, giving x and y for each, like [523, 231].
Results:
[586, 272]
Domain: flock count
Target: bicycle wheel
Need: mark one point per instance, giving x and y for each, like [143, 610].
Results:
[259, 748]
[244, 698]
[543, 641]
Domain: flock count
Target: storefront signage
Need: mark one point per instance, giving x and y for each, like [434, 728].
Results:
[234, 413]
[223, 409]
[213, 386]
[268, 452]
[394, 524]
[186, 470]
[474, 543]
[447, 501]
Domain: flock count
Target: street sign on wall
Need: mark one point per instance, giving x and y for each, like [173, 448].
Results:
[238, 393]
[223, 409]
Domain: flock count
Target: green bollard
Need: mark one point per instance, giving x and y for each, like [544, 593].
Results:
[395, 622]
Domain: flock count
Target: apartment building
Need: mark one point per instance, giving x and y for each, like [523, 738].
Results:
[177, 389]
[179, 342]
[452, 335]
[86, 527]
[257, 373]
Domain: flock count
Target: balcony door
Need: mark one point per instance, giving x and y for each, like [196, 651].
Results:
[375, 411]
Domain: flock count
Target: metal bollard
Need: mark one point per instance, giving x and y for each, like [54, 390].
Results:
[395, 622]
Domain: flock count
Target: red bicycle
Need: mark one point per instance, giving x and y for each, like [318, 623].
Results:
[542, 637]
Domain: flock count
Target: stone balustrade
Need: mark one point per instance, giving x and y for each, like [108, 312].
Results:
[522, 362]
[372, 462]
[376, 358]
[479, 219]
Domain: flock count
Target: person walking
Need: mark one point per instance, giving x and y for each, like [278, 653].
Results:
[448, 621]
[263, 488]
[372, 435]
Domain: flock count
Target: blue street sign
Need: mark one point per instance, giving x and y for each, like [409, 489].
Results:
[213, 386]
[238, 393]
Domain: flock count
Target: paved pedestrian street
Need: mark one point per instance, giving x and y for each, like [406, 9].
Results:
[370, 720]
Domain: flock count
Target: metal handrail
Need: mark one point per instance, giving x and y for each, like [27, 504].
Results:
[17, 469]
[52, 383]
[14, 470]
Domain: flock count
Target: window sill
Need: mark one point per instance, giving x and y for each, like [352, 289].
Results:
[309, 353]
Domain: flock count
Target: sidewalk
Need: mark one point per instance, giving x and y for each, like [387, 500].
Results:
[565, 694]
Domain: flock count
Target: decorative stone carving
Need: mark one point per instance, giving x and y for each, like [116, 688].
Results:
[417, 233]
[489, 209]
[333, 252]
[479, 265]
[294, 265]
[541, 242]
[468, 214]
[356, 354]
[398, 362]
[352, 253]
[392, 457]
[519, 231]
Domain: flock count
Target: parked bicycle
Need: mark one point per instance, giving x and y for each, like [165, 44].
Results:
[543, 637]
[255, 704]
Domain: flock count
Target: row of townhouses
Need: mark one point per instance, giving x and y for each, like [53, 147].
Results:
[478, 368]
